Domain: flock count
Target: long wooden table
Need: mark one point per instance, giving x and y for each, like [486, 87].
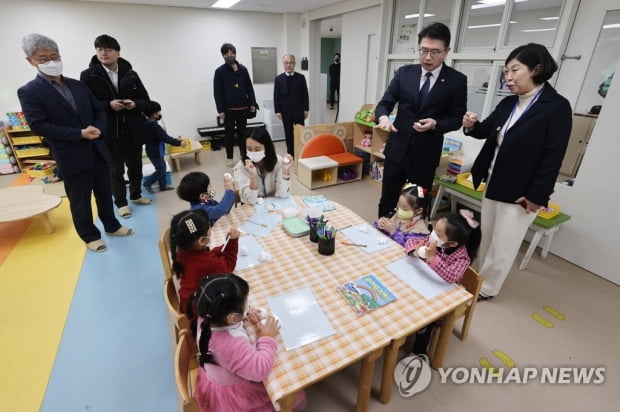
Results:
[296, 264]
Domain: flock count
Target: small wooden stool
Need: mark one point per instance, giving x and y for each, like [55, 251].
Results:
[196, 149]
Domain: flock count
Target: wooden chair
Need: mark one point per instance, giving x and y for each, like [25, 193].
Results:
[472, 282]
[178, 320]
[164, 252]
[185, 372]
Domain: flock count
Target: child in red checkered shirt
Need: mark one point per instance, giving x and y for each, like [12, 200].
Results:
[451, 247]
[448, 250]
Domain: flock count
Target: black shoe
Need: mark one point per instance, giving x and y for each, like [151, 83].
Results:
[161, 189]
[148, 188]
[482, 298]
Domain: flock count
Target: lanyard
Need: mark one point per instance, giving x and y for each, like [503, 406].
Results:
[514, 109]
[262, 178]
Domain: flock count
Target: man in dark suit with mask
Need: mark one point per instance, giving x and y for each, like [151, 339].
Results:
[66, 113]
[432, 99]
[290, 99]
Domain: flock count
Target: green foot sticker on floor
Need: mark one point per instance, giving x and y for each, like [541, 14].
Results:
[546, 323]
[506, 360]
[553, 312]
[484, 362]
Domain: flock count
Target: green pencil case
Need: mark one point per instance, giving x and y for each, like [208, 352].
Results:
[295, 226]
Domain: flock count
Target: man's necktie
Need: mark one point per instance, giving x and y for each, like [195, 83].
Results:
[425, 89]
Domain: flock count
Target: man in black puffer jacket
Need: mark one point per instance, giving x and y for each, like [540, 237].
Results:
[119, 89]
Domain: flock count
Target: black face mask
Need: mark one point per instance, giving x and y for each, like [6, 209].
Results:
[337, 60]
[158, 117]
[229, 60]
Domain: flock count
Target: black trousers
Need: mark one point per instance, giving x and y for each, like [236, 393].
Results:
[126, 152]
[79, 188]
[333, 90]
[235, 120]
[395, 174]
[288, 122]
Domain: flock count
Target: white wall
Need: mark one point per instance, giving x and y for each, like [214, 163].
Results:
[590, 239]
[356, 26]
[174, 50]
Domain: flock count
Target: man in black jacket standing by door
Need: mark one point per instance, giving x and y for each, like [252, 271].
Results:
[119, 89]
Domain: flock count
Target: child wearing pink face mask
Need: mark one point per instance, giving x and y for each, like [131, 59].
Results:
[451, 247]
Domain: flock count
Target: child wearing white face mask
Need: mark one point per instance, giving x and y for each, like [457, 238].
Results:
[410, 220]
[262, 172]
[451, 246]
[192, 257]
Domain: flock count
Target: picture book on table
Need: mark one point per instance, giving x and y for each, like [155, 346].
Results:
[366, 294]
[320, 202]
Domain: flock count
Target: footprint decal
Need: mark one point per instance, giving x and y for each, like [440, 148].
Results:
[484, 362]
[553, 312]
[506, 360]
[546, 323]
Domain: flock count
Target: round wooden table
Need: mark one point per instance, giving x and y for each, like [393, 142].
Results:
[23, 202]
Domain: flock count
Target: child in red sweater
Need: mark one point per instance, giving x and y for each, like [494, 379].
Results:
[192, 258]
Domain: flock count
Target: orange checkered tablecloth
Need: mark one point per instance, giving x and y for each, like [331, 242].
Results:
[296, 264]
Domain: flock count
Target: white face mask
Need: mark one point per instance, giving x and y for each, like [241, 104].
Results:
[256, 156]
[435, 238]
[51, 68]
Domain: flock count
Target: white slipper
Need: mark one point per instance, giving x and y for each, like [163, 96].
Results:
[122, 231]
[125, 212]
[97, 246]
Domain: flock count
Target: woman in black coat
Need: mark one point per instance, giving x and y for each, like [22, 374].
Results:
[526, 138]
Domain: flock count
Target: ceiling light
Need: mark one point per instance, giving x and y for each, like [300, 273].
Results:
[549, 18]
[224, 4]
[612, 26]
[491, 3]
[488, 25]
[415, 16]
[533, 30]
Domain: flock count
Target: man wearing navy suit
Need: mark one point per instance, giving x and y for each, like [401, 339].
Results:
[66, 114]
[432, 99]
[290, 99]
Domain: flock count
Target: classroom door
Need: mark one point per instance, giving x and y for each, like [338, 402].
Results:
[591, 55]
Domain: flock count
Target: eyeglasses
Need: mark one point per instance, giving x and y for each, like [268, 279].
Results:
[434, 53]
[287, 62]
[46, 59]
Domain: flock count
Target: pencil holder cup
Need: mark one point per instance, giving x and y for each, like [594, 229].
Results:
[327, 246]
[313, 236]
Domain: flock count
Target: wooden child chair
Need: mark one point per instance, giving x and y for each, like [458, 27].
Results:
[472, 282]
[185, 372]
[164, 253]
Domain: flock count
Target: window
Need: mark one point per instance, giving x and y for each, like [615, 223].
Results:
[482, 20]
[478, 75]
[405, 27]
[533, 22]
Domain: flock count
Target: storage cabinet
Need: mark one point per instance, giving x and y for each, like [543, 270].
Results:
[26, 147]
[361, 131]
[583, 124]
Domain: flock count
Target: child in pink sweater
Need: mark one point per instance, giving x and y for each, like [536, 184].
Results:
[231, 367]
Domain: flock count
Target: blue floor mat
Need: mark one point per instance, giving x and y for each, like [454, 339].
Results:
[115, 353]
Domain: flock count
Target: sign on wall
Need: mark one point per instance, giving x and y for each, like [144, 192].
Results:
[264, 64]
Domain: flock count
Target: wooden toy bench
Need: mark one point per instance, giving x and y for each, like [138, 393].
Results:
[324, 160]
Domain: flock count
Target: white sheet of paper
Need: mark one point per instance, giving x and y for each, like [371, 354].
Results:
[417, 274]
[278, 203]
[301, 317]
[254, 225]
[365, 234]
[254, 249]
